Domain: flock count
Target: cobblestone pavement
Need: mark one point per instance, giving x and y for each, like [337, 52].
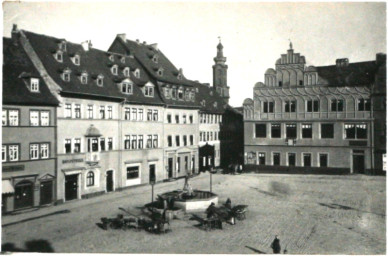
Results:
[311, 214]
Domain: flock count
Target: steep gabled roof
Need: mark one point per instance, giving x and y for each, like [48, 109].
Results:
[17, 69]
[353, 74]
[94, 62]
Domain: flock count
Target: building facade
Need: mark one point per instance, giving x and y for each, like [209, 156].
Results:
[29, 129]
[312, 119]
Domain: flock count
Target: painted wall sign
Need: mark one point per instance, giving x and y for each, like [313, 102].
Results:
[67, 161]
[13, 168]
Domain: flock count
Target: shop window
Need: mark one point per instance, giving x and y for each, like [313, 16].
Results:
[261, 131]
[132, 172]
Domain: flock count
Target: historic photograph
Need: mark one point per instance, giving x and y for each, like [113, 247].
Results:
[194, 127]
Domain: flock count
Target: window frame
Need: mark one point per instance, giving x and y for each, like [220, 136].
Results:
[264, 133]
[9, 152]
[90, 182]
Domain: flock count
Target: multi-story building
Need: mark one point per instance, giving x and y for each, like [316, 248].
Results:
[125, 117]
[313, 118]
[29, 127]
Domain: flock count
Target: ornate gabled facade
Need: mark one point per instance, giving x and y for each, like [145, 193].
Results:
[313, 119]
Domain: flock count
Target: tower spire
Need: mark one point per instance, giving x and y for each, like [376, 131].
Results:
[290, 44]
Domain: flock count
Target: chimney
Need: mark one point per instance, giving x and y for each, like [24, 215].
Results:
[381, 58]
[122, 36]
[15, 34]
[137, 41]
[155, 46]
[144, 42]
[342, 62]
[90, 44]
[86, 45]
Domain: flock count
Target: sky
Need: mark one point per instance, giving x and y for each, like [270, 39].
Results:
[253, 34]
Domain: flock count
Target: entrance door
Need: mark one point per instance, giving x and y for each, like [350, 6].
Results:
[109, 181]
[152, 173]
[170, 167]
[358, 164]
[24, 194]
[71, 187]
[46, 192]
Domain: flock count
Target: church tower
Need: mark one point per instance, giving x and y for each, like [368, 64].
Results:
[220, 74]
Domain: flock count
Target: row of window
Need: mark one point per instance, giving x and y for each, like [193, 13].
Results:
[11, 117]
[75, 112]
[93, 145]
[180, 94]
[11, 152]
[290, 106]
[323, 159]
[178, 140]
[178, 120]
[210, 119]
[137, 114]
[351, 131]
[137, 141]
[209, 136]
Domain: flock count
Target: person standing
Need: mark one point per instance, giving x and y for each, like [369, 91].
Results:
[276, 245]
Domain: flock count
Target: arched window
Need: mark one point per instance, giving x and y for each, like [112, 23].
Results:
[90, 179]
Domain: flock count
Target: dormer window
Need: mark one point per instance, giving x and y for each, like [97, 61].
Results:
[155, 58]
[160, 72]
[114, 69]
[126, 87]
[192, 96]
[180, 94]
[173, 93]
[215, 104]
[66, 75]
[203, 103]
[180, 76]
[62, 46]
[84, 78]
[187, 95]
[122, 59]
[137, 73]
[77, 60]
[59, 56]
[149, 90]
[100, 80]
[126, 72]
[167, 93]
[112, 58]
[34, 85]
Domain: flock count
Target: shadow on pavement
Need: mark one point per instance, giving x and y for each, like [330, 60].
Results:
[344, 207]
[264, 192]
[255, 250]
[38, 245]
[34, 218]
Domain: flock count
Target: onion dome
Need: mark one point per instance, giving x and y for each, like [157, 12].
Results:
[92, 132]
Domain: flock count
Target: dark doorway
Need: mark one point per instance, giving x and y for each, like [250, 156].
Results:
[46, 192]
[170, 167]
[152, 173]
[206, 156]
[71, 187]
[109, 181]
[358, 164]
[24, 194]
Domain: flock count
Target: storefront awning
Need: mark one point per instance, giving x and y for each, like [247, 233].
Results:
[6, 187]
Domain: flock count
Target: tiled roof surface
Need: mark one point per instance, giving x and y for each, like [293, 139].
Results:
[17, 69]
[95, 62]
[354, 74]
[206, 98]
